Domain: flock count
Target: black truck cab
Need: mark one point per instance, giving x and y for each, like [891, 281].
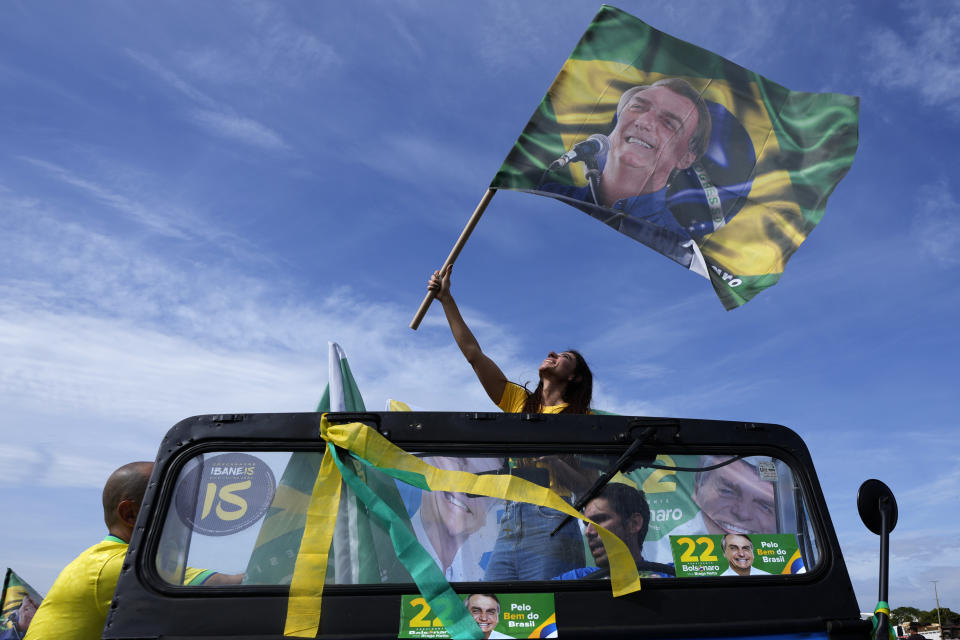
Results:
[433, 525]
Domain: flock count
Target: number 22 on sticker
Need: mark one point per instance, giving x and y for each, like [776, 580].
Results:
[660, 480]
[420, 620]
[706, 555]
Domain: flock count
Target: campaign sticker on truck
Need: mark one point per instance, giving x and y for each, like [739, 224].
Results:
[767, 470]
[736, 555]
[225, 493]
[499, 615]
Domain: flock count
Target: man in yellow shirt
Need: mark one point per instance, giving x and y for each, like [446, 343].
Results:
[76, 607]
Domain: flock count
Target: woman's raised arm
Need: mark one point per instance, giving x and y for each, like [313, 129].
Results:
[489, 374]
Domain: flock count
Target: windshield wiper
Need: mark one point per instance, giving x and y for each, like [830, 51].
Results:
[625, 461]
[608, 475]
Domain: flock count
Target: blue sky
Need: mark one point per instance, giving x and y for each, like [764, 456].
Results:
[196, 197]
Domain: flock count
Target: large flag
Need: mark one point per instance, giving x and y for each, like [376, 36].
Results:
[18, 602]
[708, 163]
[274, 555]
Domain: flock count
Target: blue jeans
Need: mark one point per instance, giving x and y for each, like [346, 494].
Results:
[525, 550]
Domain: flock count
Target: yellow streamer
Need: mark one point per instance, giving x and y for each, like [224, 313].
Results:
[370, 445]
[310, 570]
[306, 587]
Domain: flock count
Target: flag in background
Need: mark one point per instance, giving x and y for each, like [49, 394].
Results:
[706, 162]
[15, 589]
[354, 560]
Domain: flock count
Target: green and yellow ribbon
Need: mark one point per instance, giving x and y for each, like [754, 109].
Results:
[884, 608]
[370, 448]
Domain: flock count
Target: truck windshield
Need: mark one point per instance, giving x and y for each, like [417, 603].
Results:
[244, 512]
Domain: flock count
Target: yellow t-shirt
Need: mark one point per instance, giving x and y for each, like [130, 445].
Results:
[514, 397]
[77, 605]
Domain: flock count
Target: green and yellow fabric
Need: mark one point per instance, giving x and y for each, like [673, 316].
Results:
[792, 150]
[356, 442]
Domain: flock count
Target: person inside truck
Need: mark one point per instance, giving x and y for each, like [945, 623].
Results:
[738, 550]
[79, 599]
[624, 512]
[524, 549]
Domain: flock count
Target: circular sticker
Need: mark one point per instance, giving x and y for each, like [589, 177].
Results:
[224, 494]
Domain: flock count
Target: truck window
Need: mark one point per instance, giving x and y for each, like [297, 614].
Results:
[683, 516]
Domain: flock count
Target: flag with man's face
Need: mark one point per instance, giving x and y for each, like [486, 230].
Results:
[706, 162]
[18, 602]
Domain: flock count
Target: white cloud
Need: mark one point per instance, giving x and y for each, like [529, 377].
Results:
[108, 188]
[936, 223]
[401, 29]
[288, 50]
[509, 25]
[212, 115]
[266, 47]
[171, 79]
[158, 221]
[647, 371]
[427, 161]
[107, 341]
[749, 27]
[273, 57]
[924, 58]
[916, 557]
[238, 128]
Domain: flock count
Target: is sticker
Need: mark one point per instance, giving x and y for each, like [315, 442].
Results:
[224, 494]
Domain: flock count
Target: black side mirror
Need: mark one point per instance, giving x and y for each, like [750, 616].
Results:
[871, 498]
[878, 510]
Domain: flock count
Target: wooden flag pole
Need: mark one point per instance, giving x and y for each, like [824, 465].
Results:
[462, 240]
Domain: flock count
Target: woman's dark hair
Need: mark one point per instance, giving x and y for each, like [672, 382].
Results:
[577, 395]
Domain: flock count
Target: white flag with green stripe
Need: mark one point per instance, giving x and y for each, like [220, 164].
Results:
[342, 393]
[362, 553]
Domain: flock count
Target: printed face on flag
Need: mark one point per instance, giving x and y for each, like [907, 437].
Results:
[734, 499]
[19, 604]
[25, 614]
[707, 163]
[650, 141]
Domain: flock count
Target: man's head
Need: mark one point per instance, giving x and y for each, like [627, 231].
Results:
[738, 550]
[122, 496]
[485, 609]
[624, 512]
[661, 128]
[734, 499]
